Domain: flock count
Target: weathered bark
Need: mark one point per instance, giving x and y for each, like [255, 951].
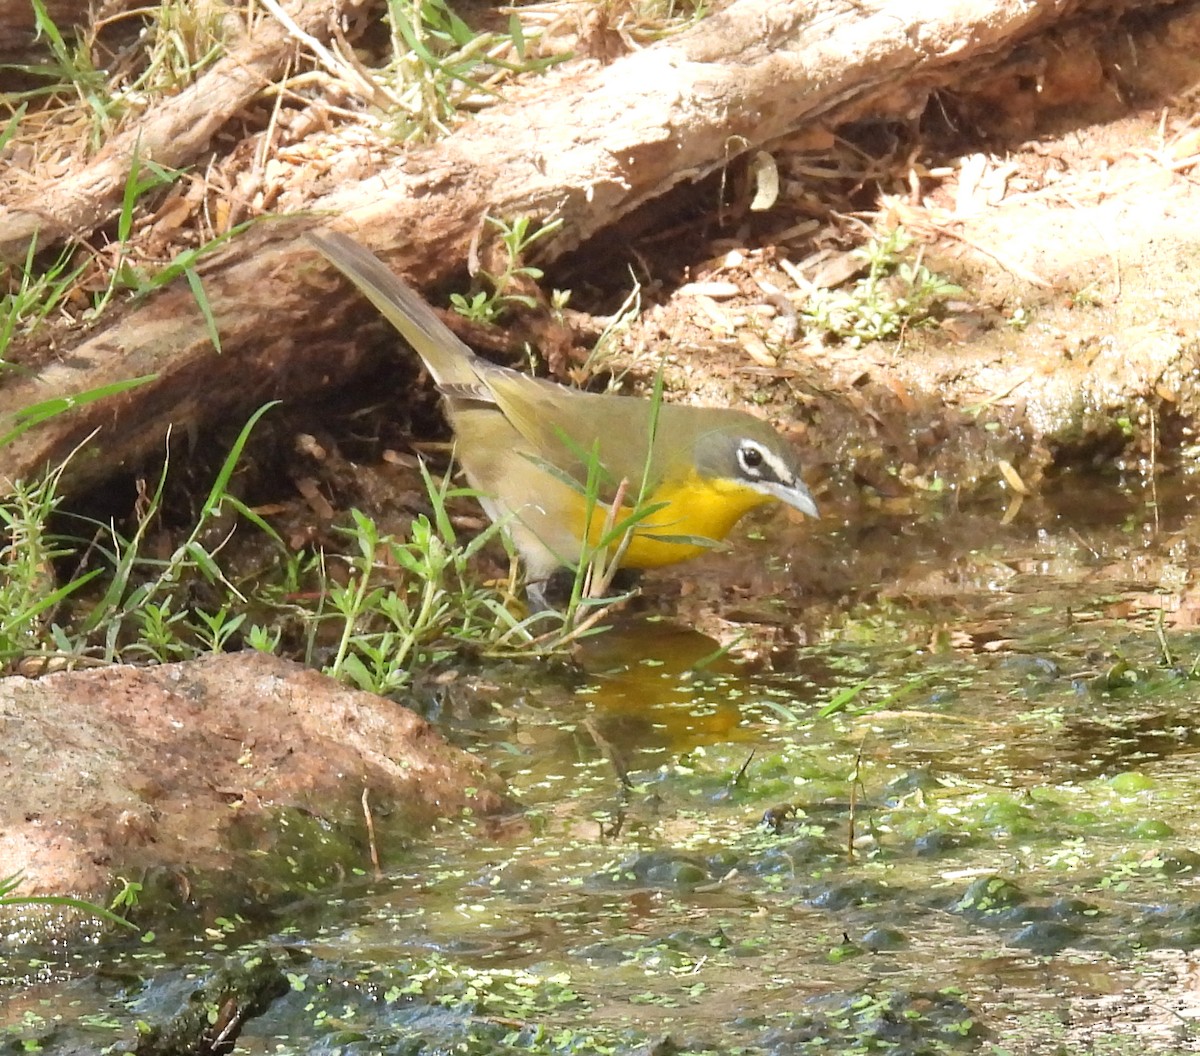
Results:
[590, 149]
[173, 133]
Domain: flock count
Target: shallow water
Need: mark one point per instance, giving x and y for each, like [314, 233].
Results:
[955, 812]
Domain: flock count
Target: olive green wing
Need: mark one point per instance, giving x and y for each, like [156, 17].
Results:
[578, 433]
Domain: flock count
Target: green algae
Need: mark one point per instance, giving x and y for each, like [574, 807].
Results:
[978, 847]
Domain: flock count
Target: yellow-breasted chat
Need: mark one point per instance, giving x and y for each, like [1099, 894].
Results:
[527, 445]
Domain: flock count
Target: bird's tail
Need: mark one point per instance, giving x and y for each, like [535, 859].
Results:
[448, 359]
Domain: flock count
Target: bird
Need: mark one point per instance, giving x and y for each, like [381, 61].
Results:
[529, 447]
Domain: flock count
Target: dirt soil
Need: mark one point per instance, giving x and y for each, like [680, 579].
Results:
[1073, 344]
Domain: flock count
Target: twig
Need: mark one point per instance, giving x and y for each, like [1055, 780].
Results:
[371, 844]
[854, 782]
[335, 67]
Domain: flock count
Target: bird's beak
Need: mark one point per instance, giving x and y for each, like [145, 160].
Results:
[795, 495]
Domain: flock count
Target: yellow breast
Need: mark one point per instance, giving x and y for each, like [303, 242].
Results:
[693, 511]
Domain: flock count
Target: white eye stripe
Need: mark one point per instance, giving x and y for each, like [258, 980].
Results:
[764, 463]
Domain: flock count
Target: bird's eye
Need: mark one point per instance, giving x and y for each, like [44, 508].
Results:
[751, 456]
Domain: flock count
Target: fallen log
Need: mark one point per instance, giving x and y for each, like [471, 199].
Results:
[172, 133]
[586, 147]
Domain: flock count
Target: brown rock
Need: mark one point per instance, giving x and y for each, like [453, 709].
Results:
[114, 771]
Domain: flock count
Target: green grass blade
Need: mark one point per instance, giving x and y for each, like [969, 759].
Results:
[255, 519]
[10, 129]
[10, 883]
[221, 484]
[437, 497]
[45, 603]
[38, 413]
[702, 541]
[843, 698]
[46, 27]
[90, 908]
[210, 322]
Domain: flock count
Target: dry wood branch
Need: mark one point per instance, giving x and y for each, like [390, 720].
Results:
[590, 149]
[596, 149]
[173, 133]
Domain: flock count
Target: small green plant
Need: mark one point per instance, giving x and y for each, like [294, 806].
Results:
[486, 306]
[143, 178]
[405, 599]
[441, 66]
[160, 633]
[73, 71]
[215, 630]
[179, 40]
[145, 593]
[127, 898]
[264, 639]
[893, 296]
[8, 898]
[36, 296]
[183, 38]
[29, 598]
